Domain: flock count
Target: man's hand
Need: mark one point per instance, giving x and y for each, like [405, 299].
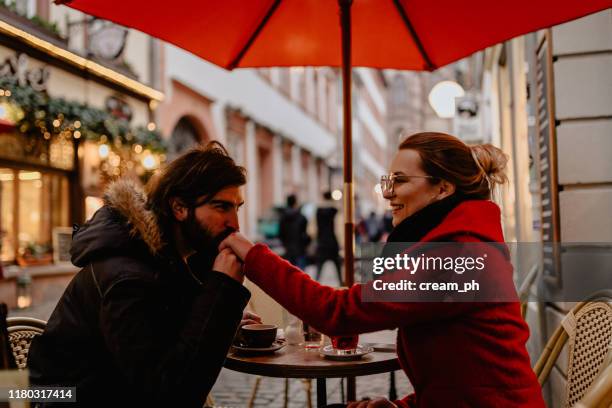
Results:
[375, 403]
[237, 243]
[249, 318]
[228, 263]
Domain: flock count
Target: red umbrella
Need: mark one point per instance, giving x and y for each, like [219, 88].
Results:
[401, 34]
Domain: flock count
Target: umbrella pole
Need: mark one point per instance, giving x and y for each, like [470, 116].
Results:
[349, 227]
[345, 25]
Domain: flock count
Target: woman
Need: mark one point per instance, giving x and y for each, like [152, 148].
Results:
[455, 354]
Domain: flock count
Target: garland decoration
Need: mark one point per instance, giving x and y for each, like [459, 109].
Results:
[44, 116]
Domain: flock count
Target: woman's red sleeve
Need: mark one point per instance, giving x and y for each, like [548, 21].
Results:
[336, 311]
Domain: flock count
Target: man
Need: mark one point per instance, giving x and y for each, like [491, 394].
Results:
[151, 315]
[293, 233]
[327, 243]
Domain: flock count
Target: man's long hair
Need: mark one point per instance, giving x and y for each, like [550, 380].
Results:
[195, 176]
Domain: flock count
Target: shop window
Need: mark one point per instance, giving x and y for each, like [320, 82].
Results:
[57, 153]
[235, 147]
[184, 136]
[7, 214]
[61, 153]
[32, 203]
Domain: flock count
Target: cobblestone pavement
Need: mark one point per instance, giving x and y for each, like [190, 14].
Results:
[233, 390]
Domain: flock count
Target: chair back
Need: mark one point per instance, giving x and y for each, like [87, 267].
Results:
[21, 331]
[587, 330]
[590, 341]
[599, 394]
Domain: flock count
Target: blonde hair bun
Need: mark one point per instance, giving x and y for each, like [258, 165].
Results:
[492, 161]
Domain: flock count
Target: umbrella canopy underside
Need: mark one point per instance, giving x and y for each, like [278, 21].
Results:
[401, 34]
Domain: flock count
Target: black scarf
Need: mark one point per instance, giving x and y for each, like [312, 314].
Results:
[416, 226]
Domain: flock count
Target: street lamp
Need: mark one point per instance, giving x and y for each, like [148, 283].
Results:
[442, 98]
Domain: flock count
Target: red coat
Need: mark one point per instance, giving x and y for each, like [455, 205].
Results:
[455, 354]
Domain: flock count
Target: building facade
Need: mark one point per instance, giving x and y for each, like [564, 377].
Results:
[370, 140]
[278, 123]
[552, 112]
[72, 118]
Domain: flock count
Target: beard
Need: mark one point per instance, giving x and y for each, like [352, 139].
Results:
[201, 238]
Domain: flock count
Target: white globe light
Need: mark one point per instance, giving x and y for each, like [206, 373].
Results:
[337, 195]
[103, 151]
[442, 98]
[148, 162]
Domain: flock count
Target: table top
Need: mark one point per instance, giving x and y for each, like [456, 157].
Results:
[293, 361]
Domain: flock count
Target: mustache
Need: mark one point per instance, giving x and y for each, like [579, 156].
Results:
[226, 233]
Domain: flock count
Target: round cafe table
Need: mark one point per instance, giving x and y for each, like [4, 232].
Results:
[296, 362]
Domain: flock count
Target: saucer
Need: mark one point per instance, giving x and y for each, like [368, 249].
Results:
[329, 353]
[276, 345]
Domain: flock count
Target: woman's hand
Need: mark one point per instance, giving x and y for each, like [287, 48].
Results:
[375, 403]
[237, 243]
[228, 263]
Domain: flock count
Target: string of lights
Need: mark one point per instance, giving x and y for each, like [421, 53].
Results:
[51, 125]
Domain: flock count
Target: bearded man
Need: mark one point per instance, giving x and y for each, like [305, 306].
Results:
[149, 318]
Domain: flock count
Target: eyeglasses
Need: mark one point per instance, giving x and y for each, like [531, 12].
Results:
[388, 182]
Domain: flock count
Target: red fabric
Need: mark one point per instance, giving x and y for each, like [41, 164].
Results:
[455, 354]
[307, 32]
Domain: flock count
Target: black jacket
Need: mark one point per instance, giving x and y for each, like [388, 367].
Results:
[137, 326]
[327, 243]
[292, 233]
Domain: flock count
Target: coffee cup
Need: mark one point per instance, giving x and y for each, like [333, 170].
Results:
[258, 335]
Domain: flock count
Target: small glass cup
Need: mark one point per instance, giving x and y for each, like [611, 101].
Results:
[312, 337]
[293, 331]
[325, 341]
[345, 345]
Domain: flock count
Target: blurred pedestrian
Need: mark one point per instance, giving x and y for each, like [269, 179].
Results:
[327, 243]
[150, 317]
[293, 233]
[361, 231]
[373, 227]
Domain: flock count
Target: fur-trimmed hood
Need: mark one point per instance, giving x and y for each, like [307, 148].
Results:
[122, 224]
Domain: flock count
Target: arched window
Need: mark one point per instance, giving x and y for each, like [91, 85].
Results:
[184, 136]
